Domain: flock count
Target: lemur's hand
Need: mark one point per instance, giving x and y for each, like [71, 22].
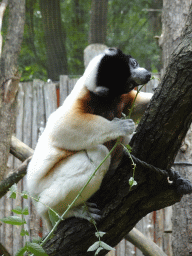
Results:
[124, 126]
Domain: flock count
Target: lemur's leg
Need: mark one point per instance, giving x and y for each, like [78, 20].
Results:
[61, 186]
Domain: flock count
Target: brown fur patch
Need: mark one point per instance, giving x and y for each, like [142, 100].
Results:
[66, 153]
[127, 101]
[83, 111]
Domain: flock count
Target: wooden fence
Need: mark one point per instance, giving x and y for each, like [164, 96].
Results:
[37, 100]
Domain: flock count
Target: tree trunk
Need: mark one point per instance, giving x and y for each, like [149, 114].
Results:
[182, 212]
[54, 39]
[9, 78]
[158, 138]
[174, 18]
[173, 21]
[98, 22]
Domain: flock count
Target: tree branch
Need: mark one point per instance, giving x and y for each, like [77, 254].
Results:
[23, 153]
[147, 246]
[15, 177]
[20, 150]
[3, 251]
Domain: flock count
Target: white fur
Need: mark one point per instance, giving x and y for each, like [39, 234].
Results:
[55, 177]
[62, 186]
[55, 181]
[91, 72]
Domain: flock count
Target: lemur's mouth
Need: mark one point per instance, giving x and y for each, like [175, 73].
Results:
[131, 84]
[134, 82]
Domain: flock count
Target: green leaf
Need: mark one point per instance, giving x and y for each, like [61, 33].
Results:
[19, 210]
[13, 191]
[13, 188]
[37, 240]
[94, 247]
[24, 194]
[132, 182]
[24, 233]
[98, 250]
[53, 217]
[13, 220]
[21, 251]
[27, 68]
[13, 195]
[25, 211]
[129, 147]
[106, 246]
[100, 234]
[36, 249]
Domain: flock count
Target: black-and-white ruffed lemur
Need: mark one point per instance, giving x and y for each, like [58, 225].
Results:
[80, 133]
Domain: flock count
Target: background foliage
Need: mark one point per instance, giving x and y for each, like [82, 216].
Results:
[130, 26]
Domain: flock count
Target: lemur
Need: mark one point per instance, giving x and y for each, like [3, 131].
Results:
[80, 133]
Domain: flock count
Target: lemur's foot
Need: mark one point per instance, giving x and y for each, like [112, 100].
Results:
[88, 212]
[183, 186]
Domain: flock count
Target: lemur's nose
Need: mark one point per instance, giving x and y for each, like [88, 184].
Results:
[148, 76]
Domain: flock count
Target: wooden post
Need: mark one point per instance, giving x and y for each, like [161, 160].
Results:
[93, 50]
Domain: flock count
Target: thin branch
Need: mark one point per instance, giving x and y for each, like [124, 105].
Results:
[147, 246]
[24, 153]
[152, 10]
[18, 174]
[20, 150]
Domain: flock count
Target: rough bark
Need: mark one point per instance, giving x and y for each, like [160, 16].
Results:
[54, 39]
[98, 22]
[174, 17]
[182, 212]
[3, 6]
[9, 78]
[158, 138]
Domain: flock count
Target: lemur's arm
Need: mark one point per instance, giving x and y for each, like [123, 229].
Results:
[74, 127]
[142, 100]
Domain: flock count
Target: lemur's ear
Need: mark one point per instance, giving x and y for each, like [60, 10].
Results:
[111, 51]
[101, 91]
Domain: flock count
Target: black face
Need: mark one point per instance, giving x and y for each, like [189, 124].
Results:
[113, 72]
[139, 75]
[116, 74]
